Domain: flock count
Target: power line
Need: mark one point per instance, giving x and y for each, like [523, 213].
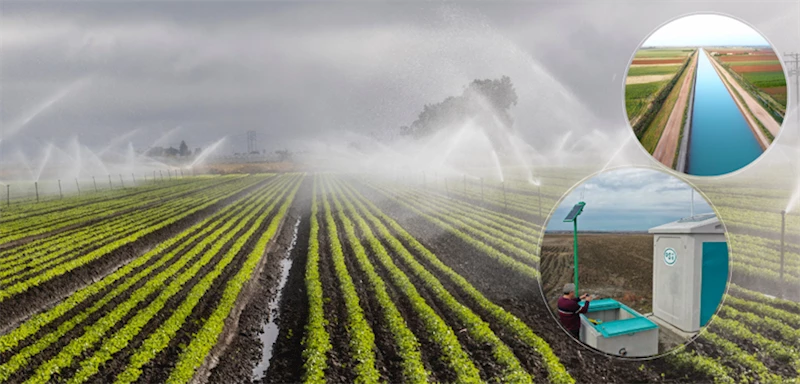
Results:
[795, 71]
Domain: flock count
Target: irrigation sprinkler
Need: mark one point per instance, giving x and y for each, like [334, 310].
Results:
[424, 184]
[154, 176]
[121, 182]
[181, 173]
[783, 232]
[481, 189]
[134, 178]
[78, 185]
[539, 194]
[110, 186]
[505, 201]
[95, 184]
[446, 191]
[465, 184]
[573, 217]
[169, 175]
[36, 186]
[162, 174]
[60, 195]
[8, 195]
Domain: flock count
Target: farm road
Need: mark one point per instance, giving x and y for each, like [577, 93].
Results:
[668, 143]
[760, 113]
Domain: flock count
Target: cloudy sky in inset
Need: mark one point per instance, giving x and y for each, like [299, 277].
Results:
[633, 199]
[705, 30]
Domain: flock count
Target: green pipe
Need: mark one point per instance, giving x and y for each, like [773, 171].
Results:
[575, 254]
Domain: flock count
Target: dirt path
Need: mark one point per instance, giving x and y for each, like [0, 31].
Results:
[668, 143]
[760, 113]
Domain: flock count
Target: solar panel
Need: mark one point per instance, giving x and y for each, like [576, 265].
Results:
[696, 218]
[576, 210]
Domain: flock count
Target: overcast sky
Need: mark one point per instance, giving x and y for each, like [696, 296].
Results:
[303, 70]
[634, 199]
[705, 30]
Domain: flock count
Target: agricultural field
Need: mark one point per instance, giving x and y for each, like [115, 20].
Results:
[385, 280]
[651, 71]
[760, 71]
[615, 265]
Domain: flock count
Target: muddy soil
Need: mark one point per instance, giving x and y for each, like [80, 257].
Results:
[619, 266]
[243, 355]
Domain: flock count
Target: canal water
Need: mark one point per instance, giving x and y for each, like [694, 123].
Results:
[721, 140]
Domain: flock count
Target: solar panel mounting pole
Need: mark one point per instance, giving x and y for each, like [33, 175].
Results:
[573, 217]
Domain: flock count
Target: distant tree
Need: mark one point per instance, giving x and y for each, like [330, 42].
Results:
[480, 100]
[283, 154]
[155, 151]
[184, 149]
[172, 152]
[197, 151]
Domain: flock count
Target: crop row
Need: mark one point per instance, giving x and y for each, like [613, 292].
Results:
[90, 237]
[477, 329]
[362, 211]
[26, 227]
[479, 226]
[125, 275]
[222, 244]
[63, 268]
[507, 261]
[32, 208]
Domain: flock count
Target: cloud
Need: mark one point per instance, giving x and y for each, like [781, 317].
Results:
[633, 199]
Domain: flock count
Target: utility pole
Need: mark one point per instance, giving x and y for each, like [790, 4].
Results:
[795, 71]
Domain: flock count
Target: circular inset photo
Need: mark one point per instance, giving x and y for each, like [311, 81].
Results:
[705, 94]
[634, 262]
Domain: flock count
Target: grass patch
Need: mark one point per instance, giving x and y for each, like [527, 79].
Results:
[654, 130]
[758, 62]
[766, 79]
[653, 70]
[645, 53]
[683, 121]
[637, 96]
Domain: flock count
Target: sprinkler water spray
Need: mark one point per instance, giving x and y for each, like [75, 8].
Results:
[783, 232]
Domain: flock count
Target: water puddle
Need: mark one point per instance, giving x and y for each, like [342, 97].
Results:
[270, 333]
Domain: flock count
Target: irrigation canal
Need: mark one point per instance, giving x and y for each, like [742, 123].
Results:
[721, 140]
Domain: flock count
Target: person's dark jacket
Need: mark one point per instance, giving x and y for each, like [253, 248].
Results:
[569, 311]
